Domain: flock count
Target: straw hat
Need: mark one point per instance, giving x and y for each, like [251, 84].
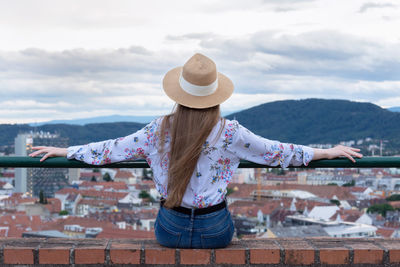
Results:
[197, 84]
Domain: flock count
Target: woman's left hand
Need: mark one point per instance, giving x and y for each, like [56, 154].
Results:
[49, 151]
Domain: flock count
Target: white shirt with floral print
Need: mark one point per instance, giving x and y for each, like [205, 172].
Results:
[219, 158]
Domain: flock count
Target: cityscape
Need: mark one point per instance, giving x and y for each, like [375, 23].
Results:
[316, 73]
[264, 202]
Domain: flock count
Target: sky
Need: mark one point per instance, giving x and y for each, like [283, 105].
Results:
[78, 59]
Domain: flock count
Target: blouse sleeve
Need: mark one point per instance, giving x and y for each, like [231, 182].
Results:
[135, 146]
[246, 145]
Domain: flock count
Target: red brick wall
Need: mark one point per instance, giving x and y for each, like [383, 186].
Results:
[277, 252]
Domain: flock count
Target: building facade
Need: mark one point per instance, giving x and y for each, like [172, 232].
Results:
[33, 180]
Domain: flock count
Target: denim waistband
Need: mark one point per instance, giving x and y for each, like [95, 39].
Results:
[197, 211]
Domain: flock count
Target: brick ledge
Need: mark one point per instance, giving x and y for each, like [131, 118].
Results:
[270, 252]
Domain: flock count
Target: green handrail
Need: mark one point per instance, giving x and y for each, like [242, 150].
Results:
[60, 162]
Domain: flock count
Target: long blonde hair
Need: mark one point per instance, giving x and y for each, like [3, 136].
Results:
[188, 129]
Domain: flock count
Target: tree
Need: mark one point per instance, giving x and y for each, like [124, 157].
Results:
[394, 197]
[42, 198]
[335, 184]
[144, 173]
[150, 173]
[335, 201]
[352, 183]
[93, 179]
[107, 177]
[278, 171]
[147, 174]
[229, 191]
[380, 208]
[63, 212]
[145, 195]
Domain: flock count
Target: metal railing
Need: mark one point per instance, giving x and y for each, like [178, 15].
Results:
[60, 162]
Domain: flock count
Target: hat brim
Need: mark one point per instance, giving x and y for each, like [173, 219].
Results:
[174, 91]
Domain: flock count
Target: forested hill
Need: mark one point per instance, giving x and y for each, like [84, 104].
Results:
[313, 121]
[77, 134]
[307, 121]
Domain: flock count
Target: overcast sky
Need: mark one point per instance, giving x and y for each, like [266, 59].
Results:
[77, 59]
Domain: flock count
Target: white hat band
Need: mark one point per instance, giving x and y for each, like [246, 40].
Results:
[198, 90]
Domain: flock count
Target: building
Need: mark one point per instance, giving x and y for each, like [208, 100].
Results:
[31, 181]
[337, 228]
[126, 177]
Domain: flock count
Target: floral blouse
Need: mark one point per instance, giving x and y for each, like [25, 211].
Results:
[219, 158]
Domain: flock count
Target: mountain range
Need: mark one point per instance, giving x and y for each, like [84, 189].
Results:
[100, 119]
[320, 121]
[306, 121]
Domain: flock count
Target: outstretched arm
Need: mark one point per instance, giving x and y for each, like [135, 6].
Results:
[336, 152]
[247, 145]
[135, 146]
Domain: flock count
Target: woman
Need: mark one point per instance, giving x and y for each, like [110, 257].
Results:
[193, 153]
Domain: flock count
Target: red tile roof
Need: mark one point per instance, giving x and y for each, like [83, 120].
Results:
[104, 185]
[17, 223]
[97, 202]
[124, 233]
[144, 186]
[250, 208]
[67, 190]
[103, 194]
[123, 175]
[347, 215]
[395, 204]
[90, 174]
[323, 191]
[54, 205]
[392, 224]
[59, 223]
[358, 189]
[93, 193]
[16, 198]
[8, 174]
[385, 232]
[125, 215]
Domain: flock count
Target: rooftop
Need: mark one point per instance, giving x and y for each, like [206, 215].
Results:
[321, 251]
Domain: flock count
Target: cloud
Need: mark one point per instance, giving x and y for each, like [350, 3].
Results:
[284, 9]
[132, 59]
[239, 5]
[316, 53]
[324, 64]
[370, 5]
[264, 66]
[191, 36]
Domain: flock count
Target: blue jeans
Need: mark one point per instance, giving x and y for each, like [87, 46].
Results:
[178, 230]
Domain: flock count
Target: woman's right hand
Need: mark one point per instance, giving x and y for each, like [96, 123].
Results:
[49, 151]
[337, 152]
